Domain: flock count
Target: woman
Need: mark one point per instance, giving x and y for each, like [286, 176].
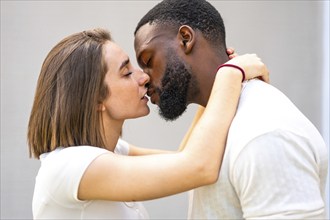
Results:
[86, 89]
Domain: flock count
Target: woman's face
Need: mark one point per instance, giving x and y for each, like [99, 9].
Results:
[126, 84]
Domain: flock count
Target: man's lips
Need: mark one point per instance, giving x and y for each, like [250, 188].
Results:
[152, 94]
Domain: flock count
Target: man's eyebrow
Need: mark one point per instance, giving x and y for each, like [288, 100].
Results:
[124, 63]
[139, 57]
[143, 50]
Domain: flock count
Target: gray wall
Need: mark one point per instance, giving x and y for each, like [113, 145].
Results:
[290, 36]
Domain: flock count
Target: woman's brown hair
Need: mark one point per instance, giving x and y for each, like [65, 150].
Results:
[69, 88]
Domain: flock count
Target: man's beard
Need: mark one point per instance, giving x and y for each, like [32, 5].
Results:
[173, 96]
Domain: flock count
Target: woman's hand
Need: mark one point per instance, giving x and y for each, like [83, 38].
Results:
[252, 66]
[231, 53]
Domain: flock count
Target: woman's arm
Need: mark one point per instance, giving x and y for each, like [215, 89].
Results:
[121, 178]
[139, 151]
[197, 116]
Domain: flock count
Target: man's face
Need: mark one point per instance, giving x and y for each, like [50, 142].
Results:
[170, 78]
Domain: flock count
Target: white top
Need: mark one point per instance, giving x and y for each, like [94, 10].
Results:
[56, 189]
[275, 163]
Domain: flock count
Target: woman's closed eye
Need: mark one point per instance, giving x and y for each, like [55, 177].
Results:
[128, 73]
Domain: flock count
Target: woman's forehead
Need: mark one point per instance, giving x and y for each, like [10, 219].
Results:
[114, 55]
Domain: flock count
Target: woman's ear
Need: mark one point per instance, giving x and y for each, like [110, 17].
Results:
[100, 107]
[186, 36]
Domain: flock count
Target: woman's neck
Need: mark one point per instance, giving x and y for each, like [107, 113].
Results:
[112, 132]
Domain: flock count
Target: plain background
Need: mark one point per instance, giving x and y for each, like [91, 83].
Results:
[292, 38]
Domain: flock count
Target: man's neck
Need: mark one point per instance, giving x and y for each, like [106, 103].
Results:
[205, 77]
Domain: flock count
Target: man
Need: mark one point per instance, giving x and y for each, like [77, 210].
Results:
[276, 162]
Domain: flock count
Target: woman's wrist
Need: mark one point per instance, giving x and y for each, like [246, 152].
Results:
[227, 65]
[230, 72]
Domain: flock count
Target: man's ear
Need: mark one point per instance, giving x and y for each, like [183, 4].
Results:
[187, 38]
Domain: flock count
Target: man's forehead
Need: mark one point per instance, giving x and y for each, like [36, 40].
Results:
[146, 35]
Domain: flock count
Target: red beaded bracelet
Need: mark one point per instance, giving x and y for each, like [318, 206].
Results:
[234, 66]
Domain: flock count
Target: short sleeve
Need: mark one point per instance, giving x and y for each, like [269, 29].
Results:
[122, 147]
[64, 170]
[276, 176]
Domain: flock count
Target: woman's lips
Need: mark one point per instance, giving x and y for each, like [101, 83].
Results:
[145, 97]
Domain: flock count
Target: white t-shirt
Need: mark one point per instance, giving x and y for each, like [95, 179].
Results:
[275, 163]
[56, 189]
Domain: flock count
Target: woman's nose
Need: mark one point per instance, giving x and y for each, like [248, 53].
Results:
[143, 79]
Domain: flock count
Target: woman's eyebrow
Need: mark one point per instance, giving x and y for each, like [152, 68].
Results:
[124, 63]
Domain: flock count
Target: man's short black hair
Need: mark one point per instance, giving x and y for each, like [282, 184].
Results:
[198, 14]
